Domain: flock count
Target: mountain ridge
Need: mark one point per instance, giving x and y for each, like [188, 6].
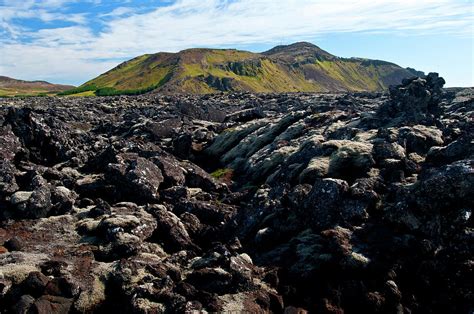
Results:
[15, 87]
[298, 67]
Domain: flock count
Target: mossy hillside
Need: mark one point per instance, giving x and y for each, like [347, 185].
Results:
[201, 71]
[134, 75]
[275, 78]
[351, 74]
[268, 77]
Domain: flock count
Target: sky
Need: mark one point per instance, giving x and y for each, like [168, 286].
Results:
[73, 41]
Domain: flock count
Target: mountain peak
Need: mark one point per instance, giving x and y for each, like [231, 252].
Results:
[299, 49]
[297, 45]
[303, 44]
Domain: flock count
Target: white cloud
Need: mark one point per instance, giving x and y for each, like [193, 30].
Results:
[75, 51]
[117, 12]
[45, 10]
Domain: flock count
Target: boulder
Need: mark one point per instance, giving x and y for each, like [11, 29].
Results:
[196, 177]
[170, 230]
[120, 233]
[383, 150]
[171, 169]
[14, 244]
[20, 197]
[415, 100]
[135, 176]
[9, 143]
[215, 280]
[322, 203]
[35, 204]
[462, 148]
[49, 304]
[62, 199]
[8, 183]
[318, 167]
[349, 159]
[35, 284]
[419, 138]
[182, 146]
[447, 187]
[24, 304]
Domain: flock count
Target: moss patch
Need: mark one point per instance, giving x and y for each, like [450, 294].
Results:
[223, 175]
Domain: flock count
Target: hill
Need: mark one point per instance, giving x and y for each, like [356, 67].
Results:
[300, 67]
[14, 87]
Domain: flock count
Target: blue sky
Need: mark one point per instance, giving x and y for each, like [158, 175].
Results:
[72, 41]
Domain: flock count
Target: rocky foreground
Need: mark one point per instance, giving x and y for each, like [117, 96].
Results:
[284, 203]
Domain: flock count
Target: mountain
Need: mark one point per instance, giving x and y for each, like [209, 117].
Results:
[300, 67]
[13, 87]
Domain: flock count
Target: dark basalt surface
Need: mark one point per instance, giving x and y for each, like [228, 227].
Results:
[326, 203]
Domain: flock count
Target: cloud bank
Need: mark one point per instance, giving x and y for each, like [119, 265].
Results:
[80, 44]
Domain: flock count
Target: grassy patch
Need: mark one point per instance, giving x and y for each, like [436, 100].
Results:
[84, 94]
[223, 175]
[9, 92]
[78, 90]
[352, 74]
[110, 91]
[4, 93]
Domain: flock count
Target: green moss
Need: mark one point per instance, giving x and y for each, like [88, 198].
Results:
[221, 173]
[229, 130]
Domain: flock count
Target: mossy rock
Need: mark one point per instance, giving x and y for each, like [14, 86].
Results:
[350, 159]
[318, 167]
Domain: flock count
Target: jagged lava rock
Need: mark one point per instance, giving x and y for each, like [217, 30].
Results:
[284, 203]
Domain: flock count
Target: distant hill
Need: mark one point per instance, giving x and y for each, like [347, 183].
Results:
[300, 67]
[13, 87]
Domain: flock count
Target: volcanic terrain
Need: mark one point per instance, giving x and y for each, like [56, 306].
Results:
[350, 202]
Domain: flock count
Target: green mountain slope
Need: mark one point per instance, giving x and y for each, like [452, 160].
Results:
[300, 67]
[10, 87]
